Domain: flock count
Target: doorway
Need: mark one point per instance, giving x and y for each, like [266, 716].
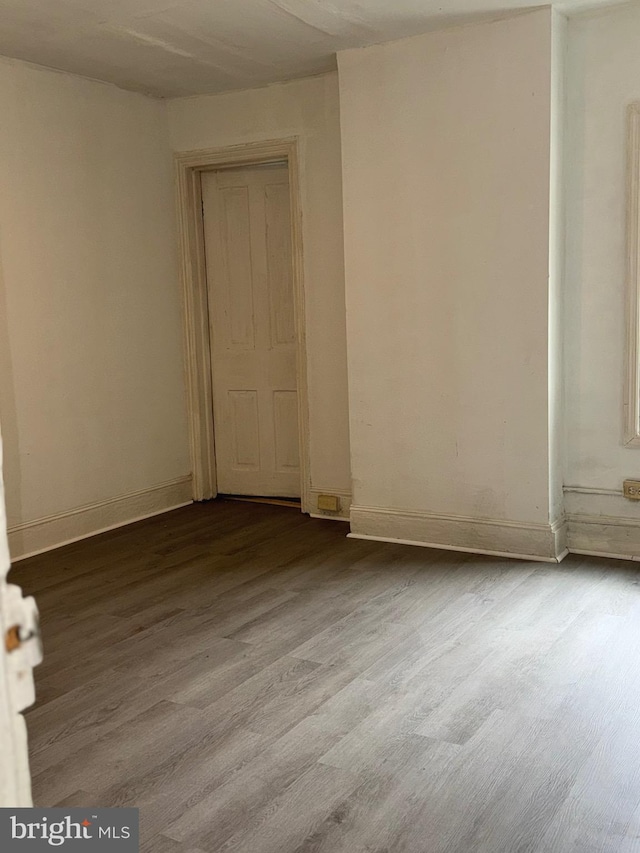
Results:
[242, 273]
[247, 240]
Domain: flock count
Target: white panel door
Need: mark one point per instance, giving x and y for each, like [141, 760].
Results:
[19, 653]
[253, 338]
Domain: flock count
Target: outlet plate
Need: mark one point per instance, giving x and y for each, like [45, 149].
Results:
[631, 489]
[329, 503]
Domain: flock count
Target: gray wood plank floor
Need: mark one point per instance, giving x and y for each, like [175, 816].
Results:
[255, 682]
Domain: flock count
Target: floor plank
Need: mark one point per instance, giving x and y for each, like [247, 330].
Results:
[253, 681]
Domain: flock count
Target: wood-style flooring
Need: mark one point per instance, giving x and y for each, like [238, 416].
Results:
[255, 682]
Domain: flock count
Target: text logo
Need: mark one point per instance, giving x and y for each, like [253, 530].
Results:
[74, 830]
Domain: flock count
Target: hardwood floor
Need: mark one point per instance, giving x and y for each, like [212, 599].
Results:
[255, 682]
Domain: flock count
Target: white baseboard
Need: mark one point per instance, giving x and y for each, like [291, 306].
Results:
[496, 537]
[604, 536]
[345, 504]
[603, 523]
[44, 534]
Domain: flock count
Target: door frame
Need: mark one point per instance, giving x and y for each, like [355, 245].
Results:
[189, 166]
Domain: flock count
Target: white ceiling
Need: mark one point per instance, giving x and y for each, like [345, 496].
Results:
[170, 48]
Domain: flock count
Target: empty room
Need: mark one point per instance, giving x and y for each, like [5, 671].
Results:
[320, 415]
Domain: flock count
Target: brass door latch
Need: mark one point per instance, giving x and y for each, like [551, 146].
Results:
[22, 641]
[14, 637]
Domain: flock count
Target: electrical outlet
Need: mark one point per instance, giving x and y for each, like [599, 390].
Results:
[329, 503]
[631, 489]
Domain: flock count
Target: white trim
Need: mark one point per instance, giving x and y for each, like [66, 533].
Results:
[610, 520]
[53, 531]
[329, 516]
[632, 388]
[189, 165]
[499, 537]
[421, 514]
[582, 553]
[604, 536]
[196, 334]
[457, 548]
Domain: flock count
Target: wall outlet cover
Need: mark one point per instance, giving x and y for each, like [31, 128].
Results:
[329, 503]
[631, 489]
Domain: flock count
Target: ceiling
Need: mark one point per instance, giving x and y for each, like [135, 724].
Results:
[170, 48]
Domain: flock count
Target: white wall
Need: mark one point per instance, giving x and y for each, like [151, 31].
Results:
[557, 258]
[446, 175]
[91, 364]
[308, 109]
[603, 78]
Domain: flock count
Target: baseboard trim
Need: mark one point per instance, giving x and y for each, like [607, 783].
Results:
[54, 531]
[615, 537]
[329, 516]
[495, 537]
[345, 502]
[582, 553]
[459, 548]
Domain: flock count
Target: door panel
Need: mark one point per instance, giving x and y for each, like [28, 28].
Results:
[243, 406]
[20, 651]
[247, 228]
[285, 427]
[279, 269]
[236, 276]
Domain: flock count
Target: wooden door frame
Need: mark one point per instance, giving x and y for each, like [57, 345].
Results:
[189, 165]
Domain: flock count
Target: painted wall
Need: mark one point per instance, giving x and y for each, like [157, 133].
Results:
[557, 263]
[308, 109]
[603, 78]
[91, 363]
[446, 175]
